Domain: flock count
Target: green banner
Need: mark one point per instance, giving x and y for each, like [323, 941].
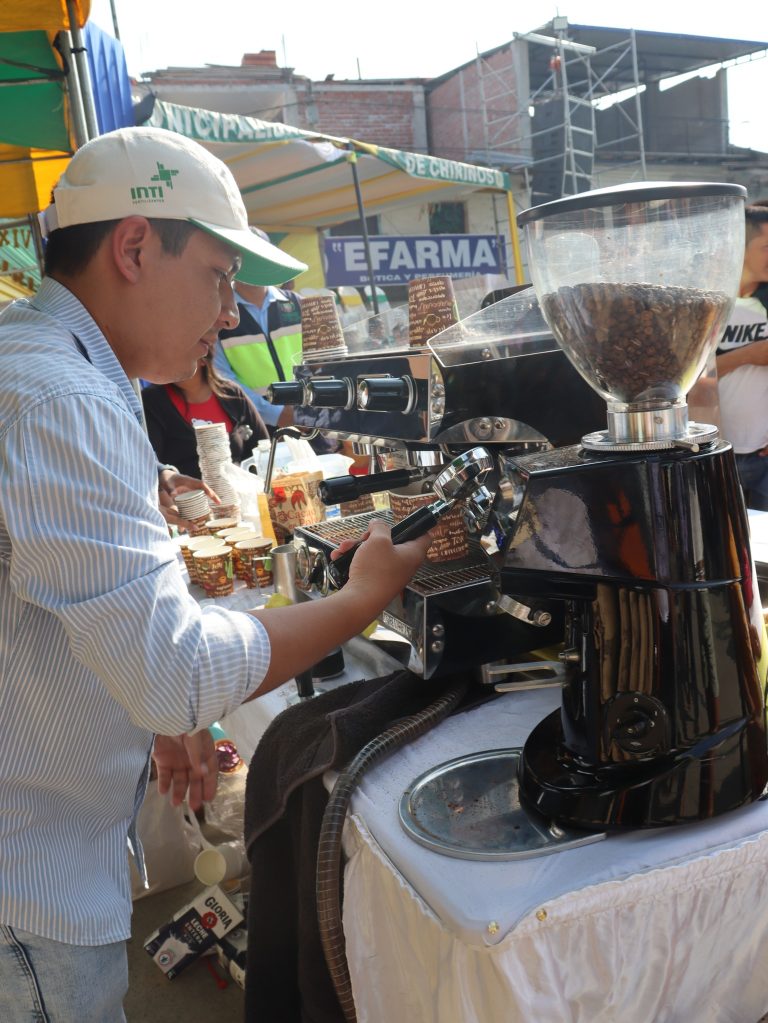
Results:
[211, 126]
[435, 168]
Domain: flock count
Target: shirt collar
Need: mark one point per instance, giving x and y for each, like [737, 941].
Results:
[57, 301]
[272, 295]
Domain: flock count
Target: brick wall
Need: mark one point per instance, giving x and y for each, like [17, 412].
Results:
[462, 126]
[389, 114]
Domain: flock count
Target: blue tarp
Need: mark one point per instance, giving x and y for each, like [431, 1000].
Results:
[109, 79]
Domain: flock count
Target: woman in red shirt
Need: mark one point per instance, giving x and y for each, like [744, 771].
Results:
[171, 411]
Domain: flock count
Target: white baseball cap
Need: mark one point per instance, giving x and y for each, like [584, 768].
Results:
[158, 173]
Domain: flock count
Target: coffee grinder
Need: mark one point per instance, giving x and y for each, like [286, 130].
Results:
[642, 529]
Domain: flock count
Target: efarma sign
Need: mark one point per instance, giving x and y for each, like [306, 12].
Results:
[398, 260]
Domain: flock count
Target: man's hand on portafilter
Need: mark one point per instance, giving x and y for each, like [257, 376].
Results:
[302, 634]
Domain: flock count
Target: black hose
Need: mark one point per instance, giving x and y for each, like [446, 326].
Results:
[328, 882]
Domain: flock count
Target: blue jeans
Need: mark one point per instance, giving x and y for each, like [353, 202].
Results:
[43, 981]
[753, 474]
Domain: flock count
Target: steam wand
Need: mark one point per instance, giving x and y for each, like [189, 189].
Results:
[283, 431]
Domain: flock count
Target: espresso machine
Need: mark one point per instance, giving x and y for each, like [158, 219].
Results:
[496, 378]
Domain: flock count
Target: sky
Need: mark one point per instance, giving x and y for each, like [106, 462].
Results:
[416, 38]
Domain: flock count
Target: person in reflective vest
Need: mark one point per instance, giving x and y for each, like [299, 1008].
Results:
[266, 344]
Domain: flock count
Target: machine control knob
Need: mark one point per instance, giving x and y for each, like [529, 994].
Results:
[637, 724]
[386, 394]
[330, 393]
[287, 392]
[523, 612]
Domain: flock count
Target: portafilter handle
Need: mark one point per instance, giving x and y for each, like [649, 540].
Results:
[416, 524]
[457, 480]
[349, 488]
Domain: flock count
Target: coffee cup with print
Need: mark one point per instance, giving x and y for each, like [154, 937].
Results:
[321, 330]
[198, 543]
[213, 568]
[216, 526]
[431, 308]
[186, 553]
[233, 540]
[451, 540]
[254, 559]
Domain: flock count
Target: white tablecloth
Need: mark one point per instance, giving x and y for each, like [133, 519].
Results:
[758, 536]
[647, 926]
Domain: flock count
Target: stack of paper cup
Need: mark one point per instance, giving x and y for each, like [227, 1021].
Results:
[321, 333]
[214, 454]
[193, 506]
[215, 526]
[431, 308]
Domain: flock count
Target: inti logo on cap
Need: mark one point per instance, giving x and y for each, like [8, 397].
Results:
[154, 193]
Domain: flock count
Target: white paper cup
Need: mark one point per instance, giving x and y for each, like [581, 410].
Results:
[221, 863]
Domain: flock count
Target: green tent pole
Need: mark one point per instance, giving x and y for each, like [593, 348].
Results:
[83, 74]
[352, 158]
[79, 129]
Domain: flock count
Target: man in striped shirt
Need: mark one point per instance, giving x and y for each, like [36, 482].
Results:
[103, 651]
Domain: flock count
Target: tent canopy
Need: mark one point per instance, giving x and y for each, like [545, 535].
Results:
[293, 179]
[35, 113]
[49, 15]
[34, 130]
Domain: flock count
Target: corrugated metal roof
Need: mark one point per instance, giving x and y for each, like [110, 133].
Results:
[659, 54]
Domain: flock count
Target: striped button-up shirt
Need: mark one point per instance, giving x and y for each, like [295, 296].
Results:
[101, 644]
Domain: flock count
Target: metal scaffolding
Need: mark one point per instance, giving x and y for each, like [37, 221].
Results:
[561, 126]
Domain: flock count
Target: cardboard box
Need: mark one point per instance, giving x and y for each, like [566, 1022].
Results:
[232, 951]
[194, 929]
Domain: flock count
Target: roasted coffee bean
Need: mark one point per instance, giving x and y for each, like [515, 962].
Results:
[636, 342]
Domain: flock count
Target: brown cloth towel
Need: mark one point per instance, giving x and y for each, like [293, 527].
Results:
[287, 980]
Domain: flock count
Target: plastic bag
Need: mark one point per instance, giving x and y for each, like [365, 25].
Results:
[226, 810]
[247, 486]
[171, 838]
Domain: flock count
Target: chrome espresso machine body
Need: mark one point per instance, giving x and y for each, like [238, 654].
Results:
[497, 378]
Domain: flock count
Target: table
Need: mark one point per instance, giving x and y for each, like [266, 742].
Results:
[647, 926]
[664, 926]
